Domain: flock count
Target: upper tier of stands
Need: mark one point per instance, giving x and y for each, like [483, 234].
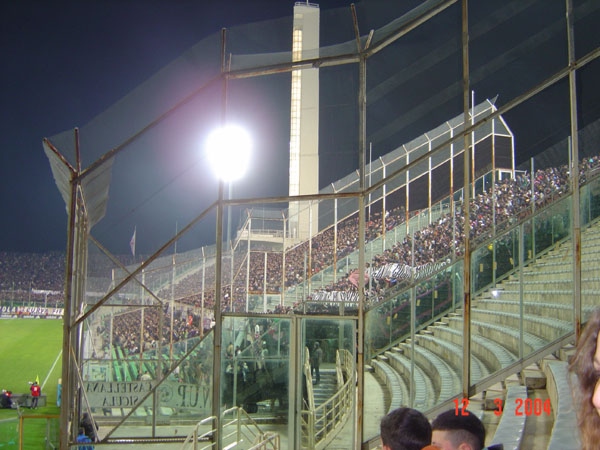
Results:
[513, 199]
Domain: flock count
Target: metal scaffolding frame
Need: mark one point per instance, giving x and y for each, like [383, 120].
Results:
[85, 191]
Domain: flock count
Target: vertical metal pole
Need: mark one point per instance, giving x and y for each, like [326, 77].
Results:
[248, 254]
[531, 254]
[304, 280]
[521, 290]
[360, 363]
[576, 225]
[413, 321]
[173, 278]
[203, 290]
[229, 195]
[370, 170]
[472, 136]
[494, 202]
[231, 272]
[335, 238]
[265, 283]
[283, 271]
[310, 236]
[429, 179]
[143, 304]
[407, 199]
[451, 206]
[216, 372]
[383, 208]
[69, 382]
[466, 367]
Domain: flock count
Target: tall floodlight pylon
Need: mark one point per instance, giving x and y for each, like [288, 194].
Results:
[304, 121]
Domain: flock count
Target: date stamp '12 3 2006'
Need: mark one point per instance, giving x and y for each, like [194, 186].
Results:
[523, 406]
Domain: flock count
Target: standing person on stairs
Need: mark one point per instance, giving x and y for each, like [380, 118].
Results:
[316, 358]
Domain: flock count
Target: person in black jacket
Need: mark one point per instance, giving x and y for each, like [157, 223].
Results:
[316, 358]
[89, 426]
[5, 400]
[405, 429]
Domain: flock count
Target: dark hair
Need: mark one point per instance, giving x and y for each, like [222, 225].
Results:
[405, 429]
[463, 426]
[81, 430]
[583, 366]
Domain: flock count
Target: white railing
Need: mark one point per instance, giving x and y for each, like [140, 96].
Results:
[269, 441]
[321, 424]
[238, 428]
[196, 438]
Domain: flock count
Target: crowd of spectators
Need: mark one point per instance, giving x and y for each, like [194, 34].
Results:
[502, 204]
[26, 271]
[140, 329]
[24, 275]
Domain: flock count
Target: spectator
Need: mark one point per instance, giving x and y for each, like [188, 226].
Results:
[36, 390]
[89, 426]
[146, 376]
[315, 361]
[586, 365]
[405, 429]
[82, 438]
[6, 400]
[458, 430]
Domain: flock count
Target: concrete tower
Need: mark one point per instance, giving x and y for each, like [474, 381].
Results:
[304, 129]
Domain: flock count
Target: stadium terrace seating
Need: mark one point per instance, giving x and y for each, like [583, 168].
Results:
[559, 387]
[391, 380]
[511, 427]
[496, 340]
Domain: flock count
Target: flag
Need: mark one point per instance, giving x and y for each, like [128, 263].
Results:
[132, 242]
[37, 379]
[354, 278]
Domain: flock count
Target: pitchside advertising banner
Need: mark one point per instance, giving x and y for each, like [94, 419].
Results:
[115, 394]
[30, 312]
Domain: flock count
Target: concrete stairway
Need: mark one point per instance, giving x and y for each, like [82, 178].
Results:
[326, 388]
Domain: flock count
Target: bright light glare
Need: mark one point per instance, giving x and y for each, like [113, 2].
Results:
[228, 150]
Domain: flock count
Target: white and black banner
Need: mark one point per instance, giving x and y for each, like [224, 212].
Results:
[30, 312]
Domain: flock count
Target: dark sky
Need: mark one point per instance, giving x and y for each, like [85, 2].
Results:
[64, 62]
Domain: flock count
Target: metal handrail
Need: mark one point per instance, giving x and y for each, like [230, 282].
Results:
[194, 438]
[321, 424]
[234, 431]
[240, 420]
[269, 441]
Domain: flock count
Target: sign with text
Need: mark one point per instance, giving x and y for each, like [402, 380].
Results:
[115, 394]
[33, 312]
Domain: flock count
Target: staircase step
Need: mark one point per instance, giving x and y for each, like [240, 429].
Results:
[533, 377]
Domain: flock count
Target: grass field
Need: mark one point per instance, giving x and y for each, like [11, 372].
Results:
[29, 348]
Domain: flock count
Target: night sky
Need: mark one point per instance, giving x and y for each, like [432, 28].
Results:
[64, 62]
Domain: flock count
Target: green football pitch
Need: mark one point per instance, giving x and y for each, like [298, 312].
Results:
[30, 349]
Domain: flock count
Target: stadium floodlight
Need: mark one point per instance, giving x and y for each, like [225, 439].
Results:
[228, 150]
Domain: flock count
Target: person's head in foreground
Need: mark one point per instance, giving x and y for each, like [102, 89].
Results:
[458, 430]
[405, 429]
[586, 365]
